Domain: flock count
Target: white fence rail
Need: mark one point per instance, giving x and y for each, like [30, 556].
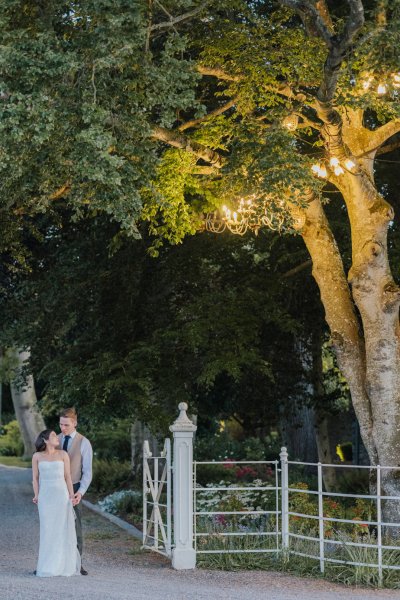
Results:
[239, 514]
[283, 533]
[379, 525]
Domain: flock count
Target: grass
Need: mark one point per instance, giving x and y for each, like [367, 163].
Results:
[300, 565]
[14, 461]
[216, 539]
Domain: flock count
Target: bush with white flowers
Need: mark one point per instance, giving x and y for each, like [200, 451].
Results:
[124, 500]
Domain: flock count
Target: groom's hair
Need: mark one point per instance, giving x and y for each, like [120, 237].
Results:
[69, 413]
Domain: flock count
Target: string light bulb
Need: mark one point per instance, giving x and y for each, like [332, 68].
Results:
[396, 80]
[334, 162]
[338, 171]
[349, 164]
[319, 170]
[382, 89]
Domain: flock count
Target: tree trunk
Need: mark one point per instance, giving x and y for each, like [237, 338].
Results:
[23, 395]
[369, 360]
[297, 432]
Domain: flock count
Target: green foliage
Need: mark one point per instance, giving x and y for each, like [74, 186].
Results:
[83, 85]
[110, 475]
[111, 440]
[11, 443]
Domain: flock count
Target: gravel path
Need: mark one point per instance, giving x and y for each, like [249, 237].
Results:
[119, 570]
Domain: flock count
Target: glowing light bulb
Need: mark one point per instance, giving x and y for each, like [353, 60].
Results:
[334, 162]
[338, 171]
[396, 80]
[318, 170]
[349, 164]
[366, 84]
[381, 89]
[235, 216]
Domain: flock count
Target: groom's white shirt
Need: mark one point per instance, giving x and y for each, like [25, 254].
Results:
[87, 458]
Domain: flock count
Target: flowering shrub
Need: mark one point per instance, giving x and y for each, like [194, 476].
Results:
[307, 504]
[238, 501]
[129, 501]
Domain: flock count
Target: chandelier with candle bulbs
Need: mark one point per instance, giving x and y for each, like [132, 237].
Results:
[250, 215]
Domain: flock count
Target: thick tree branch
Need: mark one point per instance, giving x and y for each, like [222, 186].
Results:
[339, 46]
[305, 265]
[307, 10]
[62, 191]
[214, 113]
[388, 148]
[379, 136]
[217, 72]
[324, 13]
[175, 20]
[177, 140]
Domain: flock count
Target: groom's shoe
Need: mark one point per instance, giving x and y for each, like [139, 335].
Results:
[34, 572]
[83, 571]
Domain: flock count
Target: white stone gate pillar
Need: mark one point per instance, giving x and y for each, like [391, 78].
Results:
[183, 554]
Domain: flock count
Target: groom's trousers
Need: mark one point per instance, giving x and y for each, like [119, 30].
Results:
[78, 521]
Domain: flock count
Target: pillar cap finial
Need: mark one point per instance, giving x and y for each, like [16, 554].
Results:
[183, 423]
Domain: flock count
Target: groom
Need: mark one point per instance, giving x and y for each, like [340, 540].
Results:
[81, 455]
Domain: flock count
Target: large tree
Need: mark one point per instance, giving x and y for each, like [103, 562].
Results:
[166, 110]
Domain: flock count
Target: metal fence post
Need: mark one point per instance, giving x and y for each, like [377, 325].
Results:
[379, 521]
[285, 497]
[321, 520]
[183, 554]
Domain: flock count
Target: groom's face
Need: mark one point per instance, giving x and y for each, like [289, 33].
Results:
[67, 425]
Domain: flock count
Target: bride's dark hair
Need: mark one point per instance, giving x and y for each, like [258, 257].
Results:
[40, 441]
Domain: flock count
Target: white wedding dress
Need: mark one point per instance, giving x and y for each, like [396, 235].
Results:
[58, 552]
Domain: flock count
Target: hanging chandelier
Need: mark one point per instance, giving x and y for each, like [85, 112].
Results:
[250, 215]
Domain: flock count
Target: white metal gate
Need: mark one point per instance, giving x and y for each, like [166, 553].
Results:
[157, 499]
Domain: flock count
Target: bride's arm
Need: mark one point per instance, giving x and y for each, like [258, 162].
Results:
[67, 474]
[35, 478]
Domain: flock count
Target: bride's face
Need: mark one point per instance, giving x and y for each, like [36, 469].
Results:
[52, 442]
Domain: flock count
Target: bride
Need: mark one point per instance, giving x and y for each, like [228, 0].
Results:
[54, 496]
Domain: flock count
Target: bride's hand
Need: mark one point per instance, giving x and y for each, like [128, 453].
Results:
[73, 500]
[35, 500]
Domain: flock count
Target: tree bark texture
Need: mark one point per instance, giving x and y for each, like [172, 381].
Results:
[366, 343]
[23, 395]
